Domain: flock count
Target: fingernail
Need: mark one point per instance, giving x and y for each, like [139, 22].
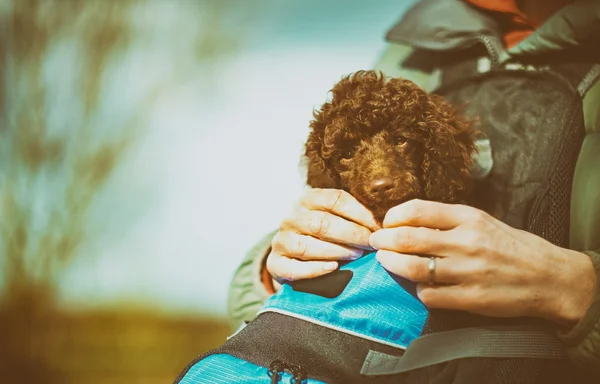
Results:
[356, 254]
[372, 240]
[331, 266]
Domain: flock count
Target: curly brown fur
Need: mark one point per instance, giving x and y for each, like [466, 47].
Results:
[386, 141]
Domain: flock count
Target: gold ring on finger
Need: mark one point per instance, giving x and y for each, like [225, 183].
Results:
[431, 269]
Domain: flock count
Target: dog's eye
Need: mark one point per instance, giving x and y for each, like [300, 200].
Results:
[347, 153]
[401, 141]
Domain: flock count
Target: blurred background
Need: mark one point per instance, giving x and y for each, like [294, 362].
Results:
[145, 146]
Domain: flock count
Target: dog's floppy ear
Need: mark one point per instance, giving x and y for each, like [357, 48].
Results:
[448, 153]
[319, 175]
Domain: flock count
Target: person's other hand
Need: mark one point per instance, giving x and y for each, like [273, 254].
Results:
[483, 266]
[326, 225]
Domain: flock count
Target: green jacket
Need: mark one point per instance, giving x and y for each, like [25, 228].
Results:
[576, 27]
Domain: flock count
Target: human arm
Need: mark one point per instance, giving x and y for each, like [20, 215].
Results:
[583, 340]
[486, 267]
[246, 291]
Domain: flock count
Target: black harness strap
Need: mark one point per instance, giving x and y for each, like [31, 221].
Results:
[436, 348]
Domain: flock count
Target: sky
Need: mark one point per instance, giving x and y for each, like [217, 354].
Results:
[219, 165]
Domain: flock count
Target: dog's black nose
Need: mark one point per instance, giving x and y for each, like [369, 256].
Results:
[382, 186]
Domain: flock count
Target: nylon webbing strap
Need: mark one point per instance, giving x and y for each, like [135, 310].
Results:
[588, 80]
[502, 342]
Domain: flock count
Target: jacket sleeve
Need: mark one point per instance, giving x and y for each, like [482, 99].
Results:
[247, 292]
[583, 341]
[391, 63]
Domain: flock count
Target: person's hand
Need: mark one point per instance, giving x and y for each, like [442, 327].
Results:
[482, 265]
[325, 226]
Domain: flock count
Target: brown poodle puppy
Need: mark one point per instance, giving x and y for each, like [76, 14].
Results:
[386, 141]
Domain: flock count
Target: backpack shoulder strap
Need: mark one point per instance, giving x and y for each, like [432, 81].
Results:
[441, 347]
[589, 79]
[581, 75]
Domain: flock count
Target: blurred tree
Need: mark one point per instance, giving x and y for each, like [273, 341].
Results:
[49, 173]
[56, 150]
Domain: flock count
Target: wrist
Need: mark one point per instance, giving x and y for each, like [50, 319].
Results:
[574, 293]
[270, 284]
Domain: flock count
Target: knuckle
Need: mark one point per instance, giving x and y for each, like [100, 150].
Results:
[309, 197]
[299, 248]
[319, 225]
[478, 217]
[310, 194]
[277, 239]
[414, 206]
[290, 244]
[471, 242]
[410, 209]
[360, 234]
[484, 271]
[413, 271]
[287, 222]
[403, 239]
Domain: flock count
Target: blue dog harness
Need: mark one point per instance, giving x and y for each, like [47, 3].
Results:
[374, 305]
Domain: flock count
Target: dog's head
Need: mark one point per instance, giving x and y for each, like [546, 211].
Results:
[386, 141]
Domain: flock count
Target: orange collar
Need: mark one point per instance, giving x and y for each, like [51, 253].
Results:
[515, 25]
